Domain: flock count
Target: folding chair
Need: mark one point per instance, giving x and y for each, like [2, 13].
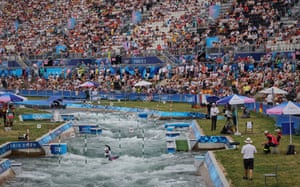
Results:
[275, 174]
[249, 127]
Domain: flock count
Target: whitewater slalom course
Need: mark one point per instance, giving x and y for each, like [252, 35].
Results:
[189, 130]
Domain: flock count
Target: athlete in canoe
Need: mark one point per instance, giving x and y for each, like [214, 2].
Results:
[107, 153]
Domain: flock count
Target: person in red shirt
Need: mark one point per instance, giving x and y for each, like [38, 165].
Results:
[279, 135]
[271, 142]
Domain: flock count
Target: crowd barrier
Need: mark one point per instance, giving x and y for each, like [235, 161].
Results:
[164, 98]
[186, 98]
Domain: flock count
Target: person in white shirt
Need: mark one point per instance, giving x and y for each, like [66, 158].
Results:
[248, 151]
[214, 111]
[107, 151]
[269, 99]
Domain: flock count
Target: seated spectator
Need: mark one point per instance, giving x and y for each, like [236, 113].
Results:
[228, 129]
[246, 113]
[23, 138]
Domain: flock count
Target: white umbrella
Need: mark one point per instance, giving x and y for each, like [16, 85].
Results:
[88, 84]
[143, 83]
[273, 90]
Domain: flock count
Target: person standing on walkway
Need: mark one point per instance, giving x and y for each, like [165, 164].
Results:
[248, 151]
[214, 111]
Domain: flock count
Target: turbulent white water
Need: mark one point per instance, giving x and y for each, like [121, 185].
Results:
[127, 135]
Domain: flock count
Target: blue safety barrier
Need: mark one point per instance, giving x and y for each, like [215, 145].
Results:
[58, 148]
[4, 165]
[24, 145]
[171, 150]
[143, 115]
[87, 129]
[172, 134]
[213, 139]
[67, 117]
[177, 125]
[96, 131]
[215, 174]
[54, 134]
[37, 116]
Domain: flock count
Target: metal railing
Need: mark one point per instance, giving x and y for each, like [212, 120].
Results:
[166, 53]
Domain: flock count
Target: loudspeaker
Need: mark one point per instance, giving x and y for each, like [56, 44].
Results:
[118, 59]
[291, 150]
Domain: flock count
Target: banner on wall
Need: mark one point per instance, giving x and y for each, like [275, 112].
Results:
[210, 41]
[4, 64]
[142, 60]
[60, 48]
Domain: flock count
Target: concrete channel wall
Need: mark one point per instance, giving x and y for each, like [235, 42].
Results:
[217, 177]
[29, 149]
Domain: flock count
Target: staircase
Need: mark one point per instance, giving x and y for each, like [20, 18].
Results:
[225, 7]
[21, 62]
[290, 21]
[169, 58]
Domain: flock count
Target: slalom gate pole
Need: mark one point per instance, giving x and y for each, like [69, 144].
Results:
[120, 142]
[143, 145]
[85, 148]
[59, 150]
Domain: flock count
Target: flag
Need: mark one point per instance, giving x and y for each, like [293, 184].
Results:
[136, 17]
[214, 11]
[71, 23]
[17, 23]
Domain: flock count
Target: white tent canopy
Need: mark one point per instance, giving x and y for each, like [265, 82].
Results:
[273, 90]
[143, 83]
[288, 108]
[291, 109]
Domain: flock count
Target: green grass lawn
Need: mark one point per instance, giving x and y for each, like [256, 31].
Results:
[21, 127]
[289, 172]
[230, 160]
[182, 145]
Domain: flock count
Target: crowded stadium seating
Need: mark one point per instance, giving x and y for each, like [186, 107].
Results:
[181, 46]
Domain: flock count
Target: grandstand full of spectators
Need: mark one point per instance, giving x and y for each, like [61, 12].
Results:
[39, 34]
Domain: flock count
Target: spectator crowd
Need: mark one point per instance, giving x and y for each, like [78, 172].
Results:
[92, 28]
